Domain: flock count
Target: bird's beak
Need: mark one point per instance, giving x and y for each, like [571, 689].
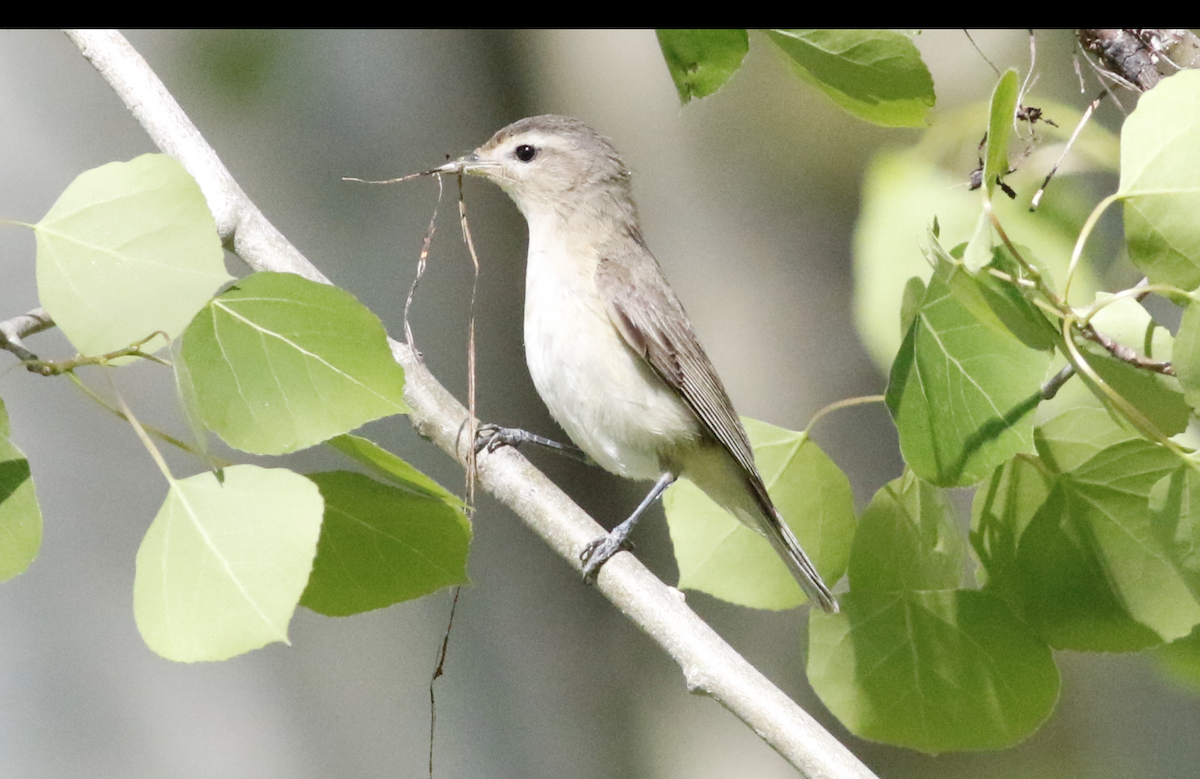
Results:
[471, 164]
[457, 166]
[463, 164]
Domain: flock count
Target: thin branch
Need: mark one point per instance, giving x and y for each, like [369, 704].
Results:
[1056, 382]
[709, 665]
[1124, 353]
[1087, 114]
[59, 367]
[1115, 401]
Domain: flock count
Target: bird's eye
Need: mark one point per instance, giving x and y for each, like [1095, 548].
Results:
[525, 152]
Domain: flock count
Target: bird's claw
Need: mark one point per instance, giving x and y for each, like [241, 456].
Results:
[598, 552]
[490, 437]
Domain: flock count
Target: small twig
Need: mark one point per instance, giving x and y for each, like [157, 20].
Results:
[59, 367]
[1056, 382]
[1087, 114]
[1116, 402]
[438, 670]
[37, 320]
[1124, 353]
[422, 259]
[473, 417]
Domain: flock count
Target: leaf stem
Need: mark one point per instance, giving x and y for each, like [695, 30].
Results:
[1084, 233]
[152, 430]
[1137, 292]
[839, 405]
[1034, 274]
[141, 433]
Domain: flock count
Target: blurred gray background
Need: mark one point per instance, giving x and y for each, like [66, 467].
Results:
[747, 198]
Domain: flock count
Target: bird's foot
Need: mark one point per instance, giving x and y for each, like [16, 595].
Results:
[599, 551]
[491, 437]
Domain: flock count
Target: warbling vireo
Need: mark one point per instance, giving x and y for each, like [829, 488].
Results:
[610, 349]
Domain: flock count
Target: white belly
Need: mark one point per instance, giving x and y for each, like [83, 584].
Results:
[606, 397]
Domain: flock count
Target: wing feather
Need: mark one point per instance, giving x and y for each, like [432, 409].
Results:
[645, 311]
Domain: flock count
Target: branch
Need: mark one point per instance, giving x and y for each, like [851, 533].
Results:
[1125, 354]
[1056, 382]
[709, 665]
[13, 330]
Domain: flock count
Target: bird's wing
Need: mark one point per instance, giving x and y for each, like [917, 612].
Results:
[652, 321]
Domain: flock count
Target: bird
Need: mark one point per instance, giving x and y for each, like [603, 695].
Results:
[610, 349]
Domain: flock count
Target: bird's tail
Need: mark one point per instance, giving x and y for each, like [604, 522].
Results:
[788, 547]
[740, 490]
[762, 515]
[769, 522]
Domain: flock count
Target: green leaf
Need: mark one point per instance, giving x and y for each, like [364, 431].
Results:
[1160, 183]
[876, 75]
[1094, 575]
[932, 670]
[20, 517]
[978, 251]
[1179, 661]
[962, 388]
[1000, 124]
[988, 298]
[222, 566]
[381, 545]
[910, 304]
[1159, 398]
[1186, 354]
[129, 248]
[391, 468]
[907, 540]
[279, 363]
[701, 61]
[1064, 593]
[1001, 510]
[721, 556]
[915, 661]
[1071, 438]
[1175, 518]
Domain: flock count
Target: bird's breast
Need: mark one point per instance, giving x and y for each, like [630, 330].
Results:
[603, 394]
